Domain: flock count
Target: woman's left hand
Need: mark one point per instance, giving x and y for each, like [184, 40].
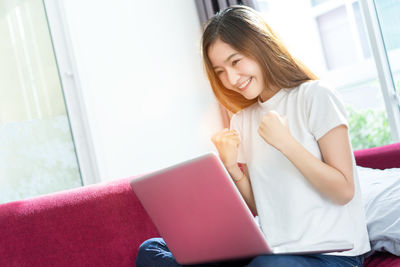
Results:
[274, 129]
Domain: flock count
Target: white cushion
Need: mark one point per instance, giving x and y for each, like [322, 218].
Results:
[381, 197]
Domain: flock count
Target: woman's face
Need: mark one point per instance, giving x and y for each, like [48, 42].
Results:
[236, 71]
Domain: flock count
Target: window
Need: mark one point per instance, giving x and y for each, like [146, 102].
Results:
[37, 154]
[317, 2]
[388, 14]
[336, 38]
[330, 37]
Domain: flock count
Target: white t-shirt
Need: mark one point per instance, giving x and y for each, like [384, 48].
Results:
[293, 213]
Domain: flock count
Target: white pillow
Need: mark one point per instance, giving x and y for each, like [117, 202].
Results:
[381, 197]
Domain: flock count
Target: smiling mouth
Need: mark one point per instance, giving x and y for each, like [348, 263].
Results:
[244, 85]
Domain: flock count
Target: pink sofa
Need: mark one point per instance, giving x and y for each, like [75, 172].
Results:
[104, 224]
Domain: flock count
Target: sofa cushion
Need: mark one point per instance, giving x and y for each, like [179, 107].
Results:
[381, 198]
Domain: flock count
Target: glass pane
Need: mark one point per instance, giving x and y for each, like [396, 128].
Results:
[335, 46]
[37, 154]
[389, 19]
[318, 2]
[362, 33]
[336, 38]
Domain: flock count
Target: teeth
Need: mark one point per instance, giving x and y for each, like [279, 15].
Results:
[244, 84]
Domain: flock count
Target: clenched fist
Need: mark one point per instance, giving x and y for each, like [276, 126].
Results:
[274, 129]
[227, 143]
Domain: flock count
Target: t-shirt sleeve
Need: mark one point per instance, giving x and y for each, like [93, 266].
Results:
[237, 124]
[325, 109]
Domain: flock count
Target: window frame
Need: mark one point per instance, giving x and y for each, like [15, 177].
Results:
[385, 75]
[72, 90]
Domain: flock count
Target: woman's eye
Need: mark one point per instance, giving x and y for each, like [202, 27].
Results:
[235, 62]
[219, 72]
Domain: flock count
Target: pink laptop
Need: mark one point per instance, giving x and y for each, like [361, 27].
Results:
[202, 216]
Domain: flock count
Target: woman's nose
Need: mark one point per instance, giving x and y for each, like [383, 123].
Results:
[233, 76]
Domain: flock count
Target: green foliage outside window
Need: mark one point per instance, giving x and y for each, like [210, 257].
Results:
[368, 128]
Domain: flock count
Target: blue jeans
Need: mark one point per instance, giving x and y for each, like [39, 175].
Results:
[154, 252]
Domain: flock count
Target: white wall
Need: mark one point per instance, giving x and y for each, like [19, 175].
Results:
[148, 102]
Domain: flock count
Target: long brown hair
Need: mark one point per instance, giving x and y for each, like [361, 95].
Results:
[246, 31]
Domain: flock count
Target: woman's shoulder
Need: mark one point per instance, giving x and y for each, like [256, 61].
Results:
[316, 85]
[317, 89]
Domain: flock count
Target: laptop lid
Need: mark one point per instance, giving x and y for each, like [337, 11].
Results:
[199, 212]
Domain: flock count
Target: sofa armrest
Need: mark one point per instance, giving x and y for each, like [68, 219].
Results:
[382, 157]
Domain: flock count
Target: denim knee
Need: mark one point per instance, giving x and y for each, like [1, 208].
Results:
[274, 261]
[147, 251]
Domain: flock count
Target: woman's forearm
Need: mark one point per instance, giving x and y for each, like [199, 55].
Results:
[326, 179]
[244, 186]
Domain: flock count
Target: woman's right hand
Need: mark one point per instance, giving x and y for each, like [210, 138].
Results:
[227, 143]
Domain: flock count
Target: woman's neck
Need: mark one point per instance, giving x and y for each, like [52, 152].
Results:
[268, 93]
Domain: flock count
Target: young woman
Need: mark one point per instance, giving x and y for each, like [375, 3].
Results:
[289, 133]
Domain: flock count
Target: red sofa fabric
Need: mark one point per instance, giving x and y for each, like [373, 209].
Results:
[382, 157]
[104, 224]
[97, 225]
